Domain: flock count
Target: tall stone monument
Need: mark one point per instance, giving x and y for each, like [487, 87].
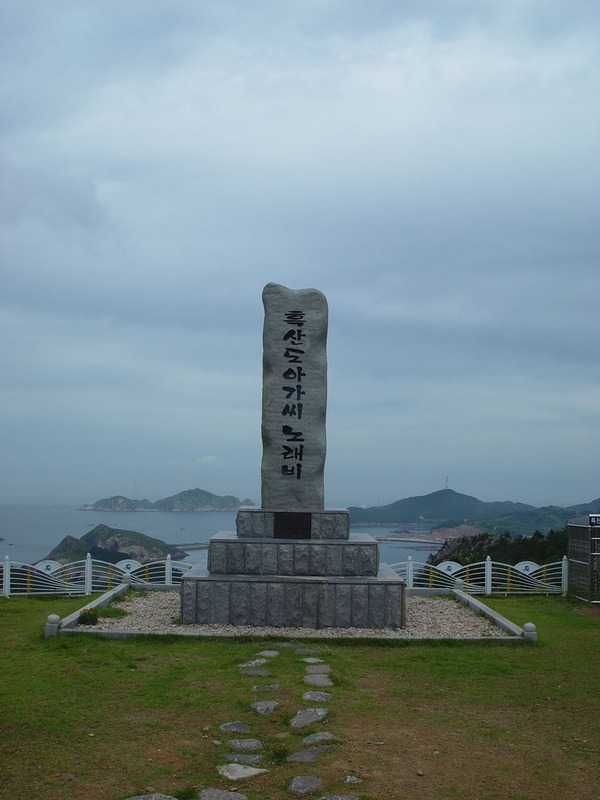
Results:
[294, 397]
[292, 562]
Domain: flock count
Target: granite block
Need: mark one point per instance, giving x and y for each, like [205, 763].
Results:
[204, 602]
[235, 559]
[350, 559]
[217, 557]
[269, 559]
[376, 606]
[343, 606]
[275, 609]
[220, 609]
[318, 560]
[240, 597]
[257, 612]
[285, 559]
[368, 560]
[244, 524]
[310, 606]
[293, 605]
[301, 559]
[360, 606]
[326, 605]
[341, 526]
[393, 606]
[252, 559]
[188, 603]
[335, 562]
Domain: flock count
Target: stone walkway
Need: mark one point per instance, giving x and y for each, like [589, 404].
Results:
[246, 753]
[157, 612]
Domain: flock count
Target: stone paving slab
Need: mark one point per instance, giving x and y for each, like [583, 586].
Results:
[245, 745]
[236, 772]
[302, 784]
[265, 706]
[317, 697]
[220, 794]
[260, 672]
[235, 727]
[271, 687]
[315, 738]
[153, 796]
[318, 680]
[256, 662]
[244, 758]
[269, 653]
[308, 716]
[312, 660]
[318, 669]
[310, 755]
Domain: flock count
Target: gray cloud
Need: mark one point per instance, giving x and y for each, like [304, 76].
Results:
[432, 167]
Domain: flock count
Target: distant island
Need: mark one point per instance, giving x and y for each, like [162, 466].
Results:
[469, 528]
[113, 545]
[189, 500]
[437, 514]
[447, 509]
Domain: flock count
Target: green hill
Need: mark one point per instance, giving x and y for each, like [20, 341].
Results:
[113, 545]
[449, 509]
[437, 508]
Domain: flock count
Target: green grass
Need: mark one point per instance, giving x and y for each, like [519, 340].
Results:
[103, 719]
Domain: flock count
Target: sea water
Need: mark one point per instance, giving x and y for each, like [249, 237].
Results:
[31, 532]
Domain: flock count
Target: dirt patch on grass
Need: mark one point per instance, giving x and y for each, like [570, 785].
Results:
[448, 749]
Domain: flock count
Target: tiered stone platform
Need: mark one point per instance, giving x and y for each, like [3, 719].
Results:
[293, 569]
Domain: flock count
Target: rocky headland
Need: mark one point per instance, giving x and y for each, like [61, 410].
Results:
[113, 545]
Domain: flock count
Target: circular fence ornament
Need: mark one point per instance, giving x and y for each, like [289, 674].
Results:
[48, 567]
[449, 567]
[128, 565]
[527, 567]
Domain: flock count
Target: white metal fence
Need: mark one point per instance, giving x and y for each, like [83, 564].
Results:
[90, 576]
[487, 577]
[85, 577]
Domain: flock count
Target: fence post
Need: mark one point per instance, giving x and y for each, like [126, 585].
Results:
[168, 570]
[88, 574]
[565, 576]
[6, 578]
[488, 575]
[409, 573]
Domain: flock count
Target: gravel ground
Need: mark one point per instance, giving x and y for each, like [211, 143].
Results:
[426, 618]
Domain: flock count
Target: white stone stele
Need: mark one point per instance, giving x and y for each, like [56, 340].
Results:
[294, 400]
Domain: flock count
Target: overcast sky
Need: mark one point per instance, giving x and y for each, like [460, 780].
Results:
[430, 165]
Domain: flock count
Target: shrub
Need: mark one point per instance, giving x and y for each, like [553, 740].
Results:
[89, 616]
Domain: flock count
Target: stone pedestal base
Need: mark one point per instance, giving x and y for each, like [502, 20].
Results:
[296, 569]
[293, 601]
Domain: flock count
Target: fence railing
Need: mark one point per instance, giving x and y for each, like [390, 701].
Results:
[90, 576]
[85, 577]
[487, 577]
